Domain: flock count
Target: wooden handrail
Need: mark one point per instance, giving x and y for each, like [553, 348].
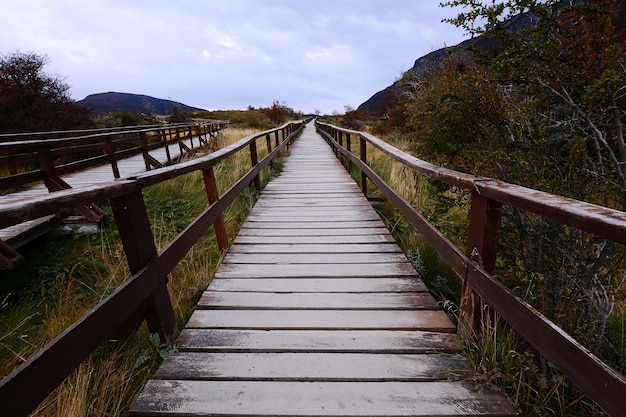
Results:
[92, 147]
[602, 383]
[142, 296]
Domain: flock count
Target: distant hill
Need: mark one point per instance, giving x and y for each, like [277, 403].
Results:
[383, 100]
[111, 102]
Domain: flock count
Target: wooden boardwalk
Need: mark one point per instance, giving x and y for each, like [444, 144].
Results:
[20, 234]
[315, 311]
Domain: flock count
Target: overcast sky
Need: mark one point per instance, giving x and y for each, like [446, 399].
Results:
[228, 54]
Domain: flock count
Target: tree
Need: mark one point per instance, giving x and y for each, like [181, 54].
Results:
[32, 100]
[562, 87]
[572, 63]
[280, 112]
[176, 114]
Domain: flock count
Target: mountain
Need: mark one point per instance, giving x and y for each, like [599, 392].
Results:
[381, 101]
[111, 102]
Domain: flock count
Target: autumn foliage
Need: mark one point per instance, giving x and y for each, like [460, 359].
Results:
[32, 100]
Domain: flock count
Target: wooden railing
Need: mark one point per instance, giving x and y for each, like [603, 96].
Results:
[596, 379]
[144, 295]
[46, 156]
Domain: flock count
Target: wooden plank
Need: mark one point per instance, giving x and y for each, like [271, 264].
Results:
[323, 285]
[252, 366]
[328, 224]
[315, 271]
[313, 258]
[248, 230]
[245, 238]
[312, 301]
[299, 187]
[278, 398]
[305, 248]
[304, 217]
[322, 320]
[311, 203]
[354, 341]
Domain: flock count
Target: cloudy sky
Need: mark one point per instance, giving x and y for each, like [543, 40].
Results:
[313, 55]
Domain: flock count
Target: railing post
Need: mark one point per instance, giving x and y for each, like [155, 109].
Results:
[482, 246]
[340, 142]
[363, 156]
[276, 138]
[213, 194]
[108, 143]
[134, 229]
[143, 140]
[47, 166]
[349, 149]
[165, 145]
[255, 160]
[268, 141]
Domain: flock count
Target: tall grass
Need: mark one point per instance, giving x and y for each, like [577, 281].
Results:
[418, 190]
[79, 271]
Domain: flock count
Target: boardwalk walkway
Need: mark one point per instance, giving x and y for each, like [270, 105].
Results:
[20, 234]
[315, 311]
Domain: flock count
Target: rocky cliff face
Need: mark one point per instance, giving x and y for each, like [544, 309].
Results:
[381, 101]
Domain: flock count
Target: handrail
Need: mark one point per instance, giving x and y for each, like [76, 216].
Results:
[31, 157]
[144, 295]
[603, 384]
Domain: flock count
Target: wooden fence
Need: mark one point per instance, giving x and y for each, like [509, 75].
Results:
[143, 296]
[46, 156]
[600, 382]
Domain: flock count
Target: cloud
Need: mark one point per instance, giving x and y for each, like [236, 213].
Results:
[229, 54]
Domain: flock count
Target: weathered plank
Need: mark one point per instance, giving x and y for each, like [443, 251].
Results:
[346, 341]
[319, 285]
[322, 320]
[316, 270]
[277, 398]
[229, 366]
[306, 216]
[245, 238]
[323, 224]
[316, 301]
[313, 258]
[305, 248]
[247, 230]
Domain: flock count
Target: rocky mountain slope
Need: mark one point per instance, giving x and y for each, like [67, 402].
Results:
[384, 99]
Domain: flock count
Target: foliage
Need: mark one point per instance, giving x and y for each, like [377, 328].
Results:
[252, 117]
[119, 118]
[570, 63]
[543, 109]
[176, 115]
[32, 100]
[279, 112]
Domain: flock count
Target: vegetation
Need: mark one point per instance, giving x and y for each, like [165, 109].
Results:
[544, 109]
[42, 298]
[32, 100]
[257, 118]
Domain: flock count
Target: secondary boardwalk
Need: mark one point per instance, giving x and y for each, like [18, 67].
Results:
[20, 234]
[315, 311]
